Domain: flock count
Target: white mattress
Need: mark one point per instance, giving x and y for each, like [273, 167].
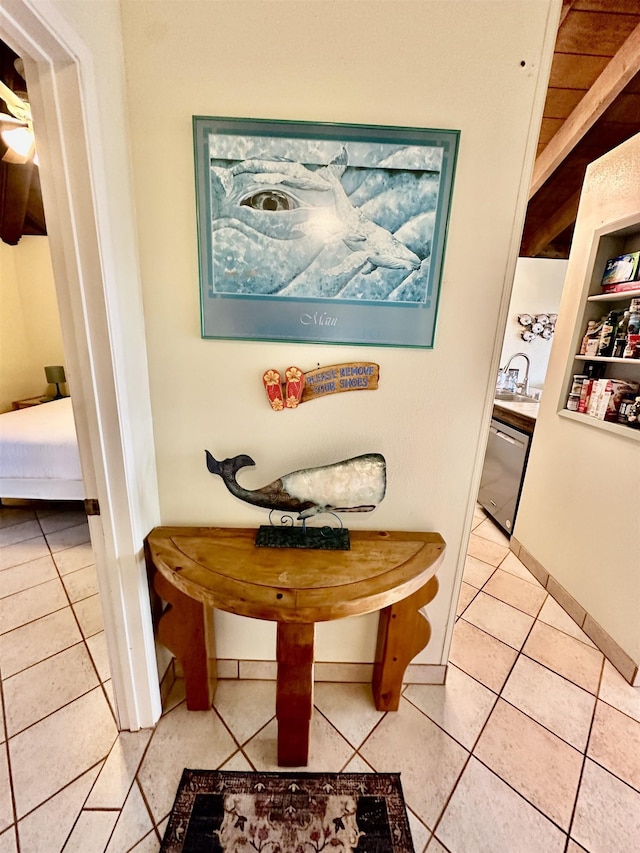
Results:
[39, 449]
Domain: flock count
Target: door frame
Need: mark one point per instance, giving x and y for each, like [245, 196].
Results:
[97, 279]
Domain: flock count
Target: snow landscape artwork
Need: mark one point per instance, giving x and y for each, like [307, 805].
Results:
[324, 233]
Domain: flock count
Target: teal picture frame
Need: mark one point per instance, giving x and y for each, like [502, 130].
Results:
[321, 233]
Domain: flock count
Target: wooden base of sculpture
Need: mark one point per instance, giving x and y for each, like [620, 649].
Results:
[390, 572]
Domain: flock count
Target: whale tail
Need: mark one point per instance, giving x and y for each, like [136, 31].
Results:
[213, 465]
[228, 468]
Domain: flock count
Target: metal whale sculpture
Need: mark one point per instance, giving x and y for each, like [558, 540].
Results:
[353, 485]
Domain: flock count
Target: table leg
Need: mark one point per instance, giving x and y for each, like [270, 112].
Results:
[186, 629]
[402, 632]
[294, 691]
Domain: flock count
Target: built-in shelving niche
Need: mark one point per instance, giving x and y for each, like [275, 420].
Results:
[595, 304]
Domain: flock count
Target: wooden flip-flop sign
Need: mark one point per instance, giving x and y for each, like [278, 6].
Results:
[300, 387]
[284, 395]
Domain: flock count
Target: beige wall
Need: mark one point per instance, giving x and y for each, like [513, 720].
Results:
[30, 335]
[469, 66]
[579, 514]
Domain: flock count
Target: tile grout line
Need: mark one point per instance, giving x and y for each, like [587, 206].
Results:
[135, 780]
[14, 809]
[466, 748]
[239, 749]
[523, 797]
[595, 696]
[31, 621]
[42, 535]
[51, 713]
[75, 616]
[343, 736]
[120, 809]
[453, 790]
[464, 766]
[236, 740]
[497, 775]
[584, 758]
[497, 695]
[48, 657]
[154, 829]
[82, 633]
[362, 758]
[491, 770]
[582, 752]
[55, 794]
[55, 711]
[471, 751]
[521, 651]
[614, 775]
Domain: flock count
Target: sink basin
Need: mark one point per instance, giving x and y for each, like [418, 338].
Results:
[508, 397]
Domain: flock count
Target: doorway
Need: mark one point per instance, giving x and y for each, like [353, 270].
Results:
[112, 408]
[526, 348]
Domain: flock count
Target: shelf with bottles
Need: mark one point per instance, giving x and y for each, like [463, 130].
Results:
[603, 380]
[614, 335]
[601, 394]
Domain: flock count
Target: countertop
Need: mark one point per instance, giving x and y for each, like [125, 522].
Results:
[519, 415]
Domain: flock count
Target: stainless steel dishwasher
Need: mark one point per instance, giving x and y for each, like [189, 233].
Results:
[504, 466]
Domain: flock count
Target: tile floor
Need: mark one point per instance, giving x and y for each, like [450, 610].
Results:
[532, 745]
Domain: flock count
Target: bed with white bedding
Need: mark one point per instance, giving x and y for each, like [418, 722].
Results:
[39, 456]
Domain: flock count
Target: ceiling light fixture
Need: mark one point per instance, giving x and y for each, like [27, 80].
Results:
[17, 128]
[20, 140]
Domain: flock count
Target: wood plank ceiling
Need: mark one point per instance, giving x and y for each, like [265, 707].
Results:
[21, 210]
[592, 105]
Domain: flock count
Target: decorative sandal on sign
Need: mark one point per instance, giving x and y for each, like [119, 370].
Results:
[273, 387]
[294, 387]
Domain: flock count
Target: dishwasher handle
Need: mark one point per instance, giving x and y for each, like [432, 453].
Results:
[503, 435]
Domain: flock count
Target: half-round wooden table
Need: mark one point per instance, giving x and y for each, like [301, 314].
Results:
[197, 569]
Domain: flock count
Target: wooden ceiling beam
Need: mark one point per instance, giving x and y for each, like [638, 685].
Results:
[554, 225]
[620, 70]
[566, 8]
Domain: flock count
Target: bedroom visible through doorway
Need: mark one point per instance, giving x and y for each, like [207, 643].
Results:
[71, 74]
[52, 638]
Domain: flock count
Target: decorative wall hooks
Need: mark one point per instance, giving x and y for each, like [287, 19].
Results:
[300, 387]
[538, 325]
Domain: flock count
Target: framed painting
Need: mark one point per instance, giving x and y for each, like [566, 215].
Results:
[321, 233]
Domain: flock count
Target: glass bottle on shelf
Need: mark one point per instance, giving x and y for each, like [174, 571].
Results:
[593, 337]
[621, 335]
[634, 317]
[591, 327]
[633, 414]
[607, 335]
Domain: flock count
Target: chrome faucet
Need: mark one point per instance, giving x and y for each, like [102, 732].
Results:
[524, 385]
